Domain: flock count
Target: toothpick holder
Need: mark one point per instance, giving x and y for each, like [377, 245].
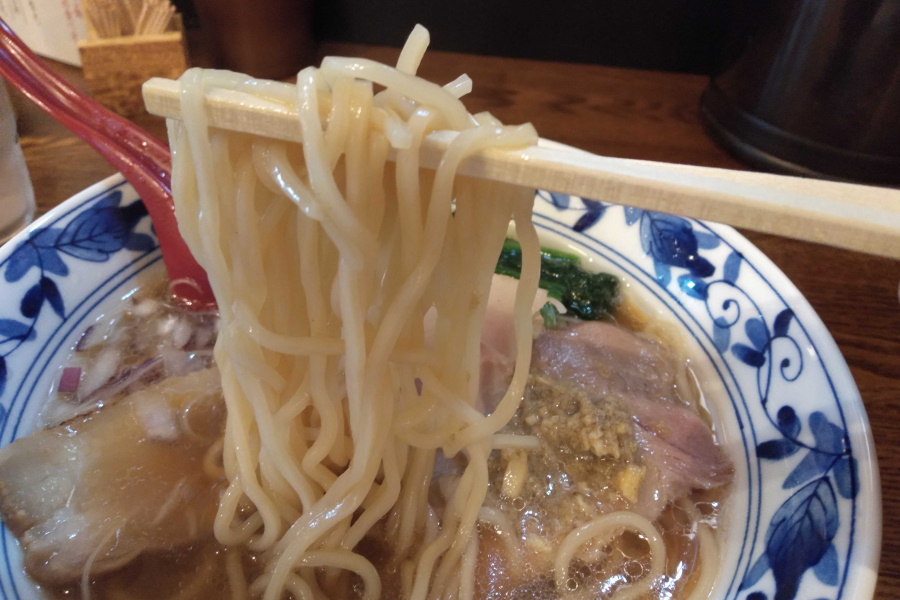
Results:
[115, 68]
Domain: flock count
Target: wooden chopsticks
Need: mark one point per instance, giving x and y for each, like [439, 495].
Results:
[856, 217]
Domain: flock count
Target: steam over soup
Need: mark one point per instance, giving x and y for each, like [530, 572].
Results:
[373, 412]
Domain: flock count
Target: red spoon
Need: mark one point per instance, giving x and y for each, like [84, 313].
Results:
[142, 159]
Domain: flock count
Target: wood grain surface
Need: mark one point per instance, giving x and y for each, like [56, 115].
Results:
[630, 114]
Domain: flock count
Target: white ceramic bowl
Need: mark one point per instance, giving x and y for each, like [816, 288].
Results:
[804, 518]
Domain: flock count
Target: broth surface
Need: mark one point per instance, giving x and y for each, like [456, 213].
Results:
[588, 463]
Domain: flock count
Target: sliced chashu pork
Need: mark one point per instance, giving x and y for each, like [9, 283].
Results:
[498, 340]
[600, 399]
[120, 481]
[676, 446]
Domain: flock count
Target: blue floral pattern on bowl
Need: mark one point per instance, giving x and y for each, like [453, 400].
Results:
[785, 405]
[103, 228]
[801, 533]
[793, 397]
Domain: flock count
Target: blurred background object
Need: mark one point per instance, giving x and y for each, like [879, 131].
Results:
[16, 193]
[51, 28]
[669, 35]
[813, 88]
[663, 35]
[808, 87]
[130, 41]
[265, 38]
[118, 18]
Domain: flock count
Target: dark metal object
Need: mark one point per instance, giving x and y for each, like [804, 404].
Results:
[814, 91]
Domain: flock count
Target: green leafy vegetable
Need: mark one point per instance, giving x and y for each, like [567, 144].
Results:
[550, 315]
[588, 296]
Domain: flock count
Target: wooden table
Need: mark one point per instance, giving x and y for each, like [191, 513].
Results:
[631, 114]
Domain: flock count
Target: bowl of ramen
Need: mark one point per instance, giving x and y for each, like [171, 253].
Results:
[445, 390]
[735, 314]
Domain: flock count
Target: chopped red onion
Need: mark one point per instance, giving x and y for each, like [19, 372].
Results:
[157, 417]
[204, 336]
[103, 369]
[177, 362]
[84, 342]
[70, 379]
[181, 334]
[145, 308]
[126, 380]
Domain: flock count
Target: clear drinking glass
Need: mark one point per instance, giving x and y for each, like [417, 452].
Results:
[16, 193]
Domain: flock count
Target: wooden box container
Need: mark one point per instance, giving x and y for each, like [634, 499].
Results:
[115, 68]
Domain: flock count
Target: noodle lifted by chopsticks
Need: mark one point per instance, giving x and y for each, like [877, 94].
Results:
[324, 260]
